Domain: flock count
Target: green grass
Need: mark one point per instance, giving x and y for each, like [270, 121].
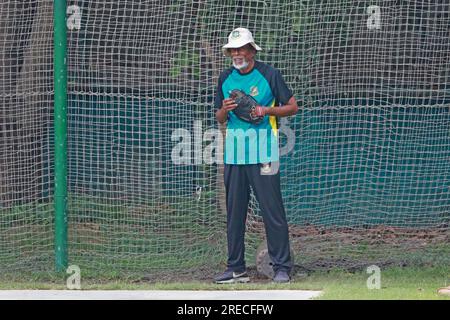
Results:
[110, 241]
[396, 283]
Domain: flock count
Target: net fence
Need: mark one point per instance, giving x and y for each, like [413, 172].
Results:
[26, 98]
[365, 181]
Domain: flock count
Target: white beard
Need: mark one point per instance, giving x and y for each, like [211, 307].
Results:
[241, 66]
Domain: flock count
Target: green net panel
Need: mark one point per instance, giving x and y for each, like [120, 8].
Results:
[366, 181]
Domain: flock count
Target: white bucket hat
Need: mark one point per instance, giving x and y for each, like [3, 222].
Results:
[239, 37]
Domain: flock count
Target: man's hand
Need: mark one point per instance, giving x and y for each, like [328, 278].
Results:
[259, 112]
[227, 106]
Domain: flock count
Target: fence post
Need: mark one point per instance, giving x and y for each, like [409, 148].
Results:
[60, 123]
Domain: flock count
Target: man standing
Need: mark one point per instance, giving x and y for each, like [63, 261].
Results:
[251, 149]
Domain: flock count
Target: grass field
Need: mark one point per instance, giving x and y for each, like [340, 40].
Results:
[120, 247]
[396, 283]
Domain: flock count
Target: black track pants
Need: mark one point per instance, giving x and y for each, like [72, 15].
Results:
[238, 179]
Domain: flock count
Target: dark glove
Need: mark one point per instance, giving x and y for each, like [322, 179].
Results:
[245, 105]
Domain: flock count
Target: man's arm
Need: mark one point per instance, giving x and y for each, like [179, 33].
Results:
[289, 109]
[286, 110]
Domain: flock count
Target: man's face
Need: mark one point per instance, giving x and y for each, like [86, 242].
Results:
[242, 56]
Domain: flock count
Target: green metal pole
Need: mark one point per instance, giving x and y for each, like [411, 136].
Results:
[60, 123]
